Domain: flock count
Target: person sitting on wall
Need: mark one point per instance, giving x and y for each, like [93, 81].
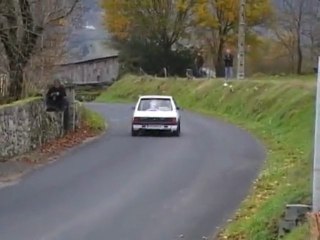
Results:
[56, 97]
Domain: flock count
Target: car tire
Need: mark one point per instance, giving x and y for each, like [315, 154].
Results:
[177, 132]
[134, 133]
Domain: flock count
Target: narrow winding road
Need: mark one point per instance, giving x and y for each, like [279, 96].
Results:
[136, 188]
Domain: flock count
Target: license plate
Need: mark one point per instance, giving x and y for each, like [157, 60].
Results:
[154, 127]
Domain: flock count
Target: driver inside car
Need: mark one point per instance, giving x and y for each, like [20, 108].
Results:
[153, 105]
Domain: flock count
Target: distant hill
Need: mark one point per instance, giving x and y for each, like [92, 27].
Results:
[90, 41]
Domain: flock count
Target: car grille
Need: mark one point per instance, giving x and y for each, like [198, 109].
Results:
[155, 120]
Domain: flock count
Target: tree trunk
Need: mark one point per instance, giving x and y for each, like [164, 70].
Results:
[293, 63]
[16, 81]
[167, 54]
[219, 65]
[299, 50]
[299, 56]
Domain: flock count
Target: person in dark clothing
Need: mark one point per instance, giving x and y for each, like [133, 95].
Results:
[228, 64]
[56, 100]
[56, 97]
[199, 61]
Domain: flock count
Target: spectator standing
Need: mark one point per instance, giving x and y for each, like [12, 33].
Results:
[228, 65]
[199, 61]
[56, 100]
[56, 96]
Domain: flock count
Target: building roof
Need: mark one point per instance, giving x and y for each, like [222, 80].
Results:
[88, 60]
[89, 51]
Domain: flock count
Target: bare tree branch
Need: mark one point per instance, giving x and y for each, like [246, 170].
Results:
[291, 20]
[60, 14]
[22, 22]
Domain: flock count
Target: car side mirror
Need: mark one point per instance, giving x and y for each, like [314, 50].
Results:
[178, 108]
[133, 107]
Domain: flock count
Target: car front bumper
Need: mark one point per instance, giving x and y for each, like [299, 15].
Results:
[171, 128]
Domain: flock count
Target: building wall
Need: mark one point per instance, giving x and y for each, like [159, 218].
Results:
[105, 71]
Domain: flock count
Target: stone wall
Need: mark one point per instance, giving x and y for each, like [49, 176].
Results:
[25, 125]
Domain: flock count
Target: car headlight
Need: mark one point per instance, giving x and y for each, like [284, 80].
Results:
[135, 120]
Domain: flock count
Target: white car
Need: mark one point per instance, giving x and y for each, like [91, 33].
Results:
[156, 112]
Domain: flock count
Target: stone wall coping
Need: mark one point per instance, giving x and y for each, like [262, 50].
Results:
[20, 102]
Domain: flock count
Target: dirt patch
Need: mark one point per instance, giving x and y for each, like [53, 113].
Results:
[14, 168]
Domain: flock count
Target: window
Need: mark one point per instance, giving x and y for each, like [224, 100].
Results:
[155, 104]
[175, 103]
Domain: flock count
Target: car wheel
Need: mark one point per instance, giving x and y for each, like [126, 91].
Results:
[177, 132]
[134, 133]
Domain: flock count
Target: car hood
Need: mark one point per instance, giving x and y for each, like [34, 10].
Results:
[155, 114]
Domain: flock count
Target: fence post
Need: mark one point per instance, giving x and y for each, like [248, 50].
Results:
[71, 111]
[165, 73]
[4, 82]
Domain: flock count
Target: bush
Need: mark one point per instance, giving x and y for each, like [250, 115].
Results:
[152, 58]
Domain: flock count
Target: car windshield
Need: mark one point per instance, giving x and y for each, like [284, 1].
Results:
[155, 104]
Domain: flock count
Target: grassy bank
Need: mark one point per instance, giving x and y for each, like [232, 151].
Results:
[88, 93]
[94, 120]
[279, 112]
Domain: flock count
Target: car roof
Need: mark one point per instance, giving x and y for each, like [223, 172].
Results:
[155, 96]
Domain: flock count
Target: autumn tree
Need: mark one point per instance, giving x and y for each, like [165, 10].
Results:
[22, 22]
[150, 24]
[216, 23]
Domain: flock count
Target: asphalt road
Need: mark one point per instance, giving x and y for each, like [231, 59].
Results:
[136, 188]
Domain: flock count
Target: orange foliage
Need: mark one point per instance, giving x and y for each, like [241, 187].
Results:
[217, 21]
[149, 16]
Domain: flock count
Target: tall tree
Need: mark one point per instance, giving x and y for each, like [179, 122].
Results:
[296, 26]
[161, 21]
[158, 24]
[217, 23]
[21, 24]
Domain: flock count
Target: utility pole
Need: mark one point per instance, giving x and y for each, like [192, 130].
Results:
[241, 41]
[316, 161]
[42, 59]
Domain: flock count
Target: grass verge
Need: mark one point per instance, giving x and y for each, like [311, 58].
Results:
[94, 120]
[281, 113]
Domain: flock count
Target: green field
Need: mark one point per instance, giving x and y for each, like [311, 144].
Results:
[279, 111]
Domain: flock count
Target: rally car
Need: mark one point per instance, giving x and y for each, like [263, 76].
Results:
[156, 112]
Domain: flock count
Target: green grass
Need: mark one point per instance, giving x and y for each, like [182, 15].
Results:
[93, 119]
[87, 96]
[298, 233]
[306, 77]
[280, 113]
